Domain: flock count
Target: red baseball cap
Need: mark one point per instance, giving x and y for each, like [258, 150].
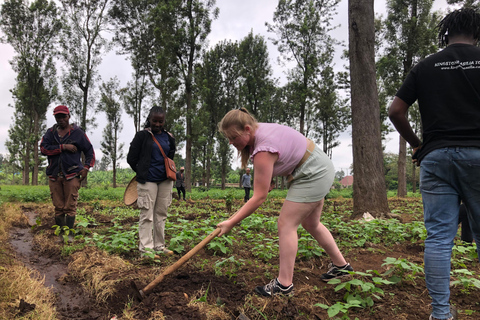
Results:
[61, 109]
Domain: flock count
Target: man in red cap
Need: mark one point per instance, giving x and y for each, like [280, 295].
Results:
[63, 144]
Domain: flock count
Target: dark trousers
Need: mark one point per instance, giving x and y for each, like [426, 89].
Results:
[247, 194]
[466, 234]
[181, 189]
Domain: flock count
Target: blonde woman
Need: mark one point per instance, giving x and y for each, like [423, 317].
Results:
[278, 150]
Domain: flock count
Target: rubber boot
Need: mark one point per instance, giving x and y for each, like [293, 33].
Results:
[60, 220]
[70, 224]
[70, 221]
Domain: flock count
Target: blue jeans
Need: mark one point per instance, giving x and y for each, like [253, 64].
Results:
[447, 176]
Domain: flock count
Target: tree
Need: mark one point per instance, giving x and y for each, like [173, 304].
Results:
[133, 97]
[181, 28]
[209, 82]
[83, 45]
[409, 37]
[32, 32]
[369, 192]
[110, 104]
[135, 22]
[302, 28]
[331, 113]
[256, 83]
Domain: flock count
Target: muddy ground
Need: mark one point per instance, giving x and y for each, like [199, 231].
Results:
[179, 295]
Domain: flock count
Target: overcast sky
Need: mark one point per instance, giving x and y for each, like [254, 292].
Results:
[236, 20]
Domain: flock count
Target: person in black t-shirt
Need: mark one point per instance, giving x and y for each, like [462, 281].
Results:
[447, 88]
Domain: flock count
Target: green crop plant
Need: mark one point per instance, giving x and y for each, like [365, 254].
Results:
[63, 231]
[308, 247]
[228, 266]
[204, 297]
[402, 269]
[117, 239]
[267, 249]
[221, 244]
[359, 293]
[466, 278]
[463, 253]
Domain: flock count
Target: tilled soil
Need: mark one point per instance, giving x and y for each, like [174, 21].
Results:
[185, 293]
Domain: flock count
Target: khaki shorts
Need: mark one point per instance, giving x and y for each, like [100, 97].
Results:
[313, 179]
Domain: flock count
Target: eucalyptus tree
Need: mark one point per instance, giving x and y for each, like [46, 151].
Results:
[409, 36]
[217, 79]
[256, 75]
[134, 23]
[83, 43]
[230, 71]
[31, 29]
[110, 104]
[182, 27]
[369, 191]
[209, 82]
[301, 28]
[134, 96]
[332, 114]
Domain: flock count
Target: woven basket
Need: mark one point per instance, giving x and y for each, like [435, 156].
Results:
[131, 195]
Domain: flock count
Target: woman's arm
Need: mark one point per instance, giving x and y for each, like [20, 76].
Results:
[134, 151]
[263, 167]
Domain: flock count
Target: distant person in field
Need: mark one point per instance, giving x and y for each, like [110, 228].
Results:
[63, 145]
[246, 184]
[153, 187]
[278, 150]
[447, 88]
[180, 183]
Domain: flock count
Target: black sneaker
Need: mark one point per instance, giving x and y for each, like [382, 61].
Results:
[272, 288]
[335, 272]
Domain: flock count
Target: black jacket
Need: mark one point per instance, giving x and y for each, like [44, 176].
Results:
[140, 153]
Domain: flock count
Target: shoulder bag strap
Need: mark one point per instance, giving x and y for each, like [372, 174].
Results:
[158, 144]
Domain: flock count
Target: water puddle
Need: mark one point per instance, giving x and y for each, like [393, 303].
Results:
[71, 300]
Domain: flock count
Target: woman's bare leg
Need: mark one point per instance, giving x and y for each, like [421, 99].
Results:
[308, 214]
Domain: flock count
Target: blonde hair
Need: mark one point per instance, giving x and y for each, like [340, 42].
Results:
[234, 122]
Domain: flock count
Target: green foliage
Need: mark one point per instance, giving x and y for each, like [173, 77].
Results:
[117, 239]
[463, 253]
[466, 278]
[228, 266]
[25, 193]
[359, 292]
[402, 269]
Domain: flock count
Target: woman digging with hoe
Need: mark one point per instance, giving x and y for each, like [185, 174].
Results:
[278, 150]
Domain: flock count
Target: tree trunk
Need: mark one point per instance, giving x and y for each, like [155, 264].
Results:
[188, 145]
[207, 173]
[114, 174]
[36, 161]
[402, 169]
[26, 166]
[369, 188]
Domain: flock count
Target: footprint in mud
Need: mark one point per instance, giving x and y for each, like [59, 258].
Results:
[72, 302]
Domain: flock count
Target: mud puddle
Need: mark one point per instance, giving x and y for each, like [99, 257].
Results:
[72, 302]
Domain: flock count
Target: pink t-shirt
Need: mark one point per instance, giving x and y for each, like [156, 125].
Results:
[288, 143]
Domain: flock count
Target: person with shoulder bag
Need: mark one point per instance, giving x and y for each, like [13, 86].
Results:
[146, 157]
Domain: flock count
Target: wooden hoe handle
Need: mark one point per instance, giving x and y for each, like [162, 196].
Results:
[180, 262]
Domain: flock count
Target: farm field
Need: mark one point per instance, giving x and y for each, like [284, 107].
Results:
[90, 278]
